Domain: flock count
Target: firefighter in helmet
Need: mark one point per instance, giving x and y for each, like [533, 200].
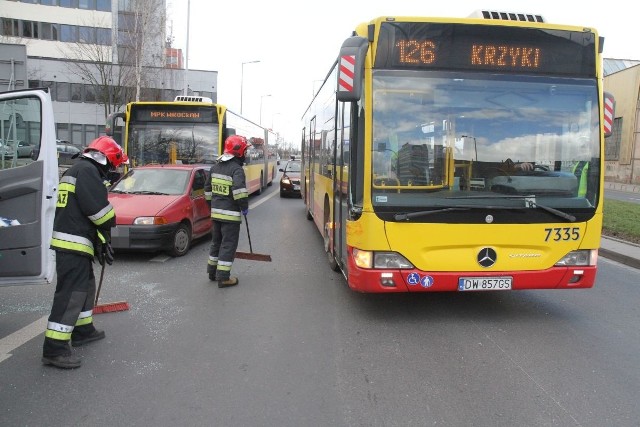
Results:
[81, 231]
[227, 194]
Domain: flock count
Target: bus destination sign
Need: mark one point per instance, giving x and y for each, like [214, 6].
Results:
[173, 113]
[486, 48]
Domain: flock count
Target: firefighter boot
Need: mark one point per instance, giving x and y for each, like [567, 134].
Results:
[225, 283]
[212, 272]
[85, 334]
[64, 361]
[58, 353]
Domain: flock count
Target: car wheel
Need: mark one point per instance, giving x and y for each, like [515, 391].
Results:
[281, 194]
[181, 241]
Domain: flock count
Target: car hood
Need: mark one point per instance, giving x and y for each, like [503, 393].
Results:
[131, 206]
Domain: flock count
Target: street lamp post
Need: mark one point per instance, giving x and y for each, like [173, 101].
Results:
[242, 79]
[261, 98]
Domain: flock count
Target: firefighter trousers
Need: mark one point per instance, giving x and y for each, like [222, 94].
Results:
[71, 312]
[222, 252]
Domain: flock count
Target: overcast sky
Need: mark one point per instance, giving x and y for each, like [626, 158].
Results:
[297, 41]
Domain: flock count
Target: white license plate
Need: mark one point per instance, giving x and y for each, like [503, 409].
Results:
[296, 187]
[485, 283]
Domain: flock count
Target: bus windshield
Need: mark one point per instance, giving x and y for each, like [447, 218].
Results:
[446, 140]
[154, 142]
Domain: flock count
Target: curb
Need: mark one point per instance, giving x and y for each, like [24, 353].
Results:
[621, 258]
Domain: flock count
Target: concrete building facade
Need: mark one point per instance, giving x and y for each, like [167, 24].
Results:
[63, 35]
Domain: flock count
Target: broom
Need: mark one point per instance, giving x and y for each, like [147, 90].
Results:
[108, 307]
[250, 255]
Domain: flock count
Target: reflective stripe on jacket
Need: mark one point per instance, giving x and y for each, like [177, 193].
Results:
[227, 191]
[82, 209]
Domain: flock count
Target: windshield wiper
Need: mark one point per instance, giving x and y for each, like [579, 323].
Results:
[530, 202]
[153, 193]
[118, 191]
[407, 216]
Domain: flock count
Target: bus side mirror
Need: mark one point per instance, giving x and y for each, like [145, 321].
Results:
[609, 111]
[351, 68]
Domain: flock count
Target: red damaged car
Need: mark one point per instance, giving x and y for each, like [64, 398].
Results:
[160, 208]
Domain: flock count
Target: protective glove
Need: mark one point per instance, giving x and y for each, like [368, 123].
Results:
[104, 253]
[108, 253]
[99, 253]
[245, 211]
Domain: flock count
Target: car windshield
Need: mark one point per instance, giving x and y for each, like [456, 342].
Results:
[158, 181]
[292, 167]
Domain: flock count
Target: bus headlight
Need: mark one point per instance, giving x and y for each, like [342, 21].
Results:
[381, 260]
[582, 257]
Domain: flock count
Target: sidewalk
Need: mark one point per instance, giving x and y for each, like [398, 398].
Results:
[619, 250]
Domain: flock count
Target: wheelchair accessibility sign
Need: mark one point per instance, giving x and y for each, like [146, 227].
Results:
[415, 279]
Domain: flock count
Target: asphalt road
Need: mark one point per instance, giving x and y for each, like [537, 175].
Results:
[291, 345]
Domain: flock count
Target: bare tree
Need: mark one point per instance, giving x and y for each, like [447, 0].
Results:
[112, 83]
[117, 72]
[140, 25]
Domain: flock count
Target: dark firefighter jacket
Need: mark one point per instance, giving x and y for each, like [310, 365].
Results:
[227, 190]
[82, 210]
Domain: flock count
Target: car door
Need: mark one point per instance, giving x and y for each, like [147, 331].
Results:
[28, 189]
[201, 210]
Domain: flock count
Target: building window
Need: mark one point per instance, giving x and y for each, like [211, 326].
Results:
[87, 35]
[612, 144]
[49, 2]
[90, 93]
[63, 92]
[76, 92]
[103, 36]
[89, 134]
[103, 5]
[10, 27]
[68, 33]
[34, 83]
[76, 134]
[62, 130]
[87, 4]
[30, 29]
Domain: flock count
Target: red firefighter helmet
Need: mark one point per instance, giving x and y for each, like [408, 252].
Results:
[236, 145]
[110, 149]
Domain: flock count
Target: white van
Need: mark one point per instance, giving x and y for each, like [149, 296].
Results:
[28, 189]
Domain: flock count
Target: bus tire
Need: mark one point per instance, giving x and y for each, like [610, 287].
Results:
[271, 180]
[261, 184]
[333, 264]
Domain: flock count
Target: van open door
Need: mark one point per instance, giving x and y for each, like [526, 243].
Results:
[28, 187]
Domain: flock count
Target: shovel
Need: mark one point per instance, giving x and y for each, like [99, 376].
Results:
[251, 255]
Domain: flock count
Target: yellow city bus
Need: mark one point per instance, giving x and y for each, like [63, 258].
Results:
[460, 154]
[192, 130]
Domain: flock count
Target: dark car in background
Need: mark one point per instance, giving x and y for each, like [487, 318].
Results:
[290, 179]
[66, 151]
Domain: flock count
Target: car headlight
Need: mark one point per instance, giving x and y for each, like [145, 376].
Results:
[150, 220]
[381, 260]
[581, 257]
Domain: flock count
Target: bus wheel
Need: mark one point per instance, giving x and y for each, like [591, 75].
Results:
[272, 175]
[181, 241]
[333, 264]
[261, 184]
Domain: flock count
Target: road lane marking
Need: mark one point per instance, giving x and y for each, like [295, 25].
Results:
[16, 339]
